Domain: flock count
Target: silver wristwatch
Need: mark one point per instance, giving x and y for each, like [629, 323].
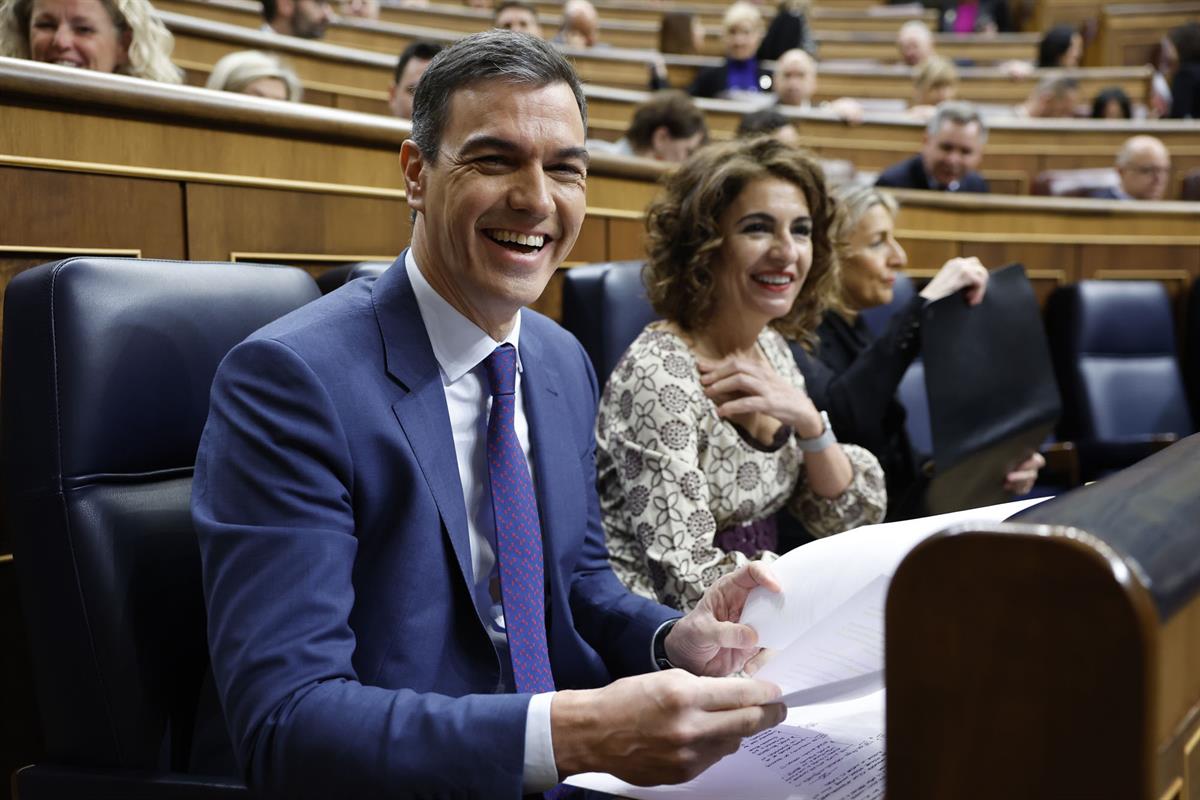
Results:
[818, 443]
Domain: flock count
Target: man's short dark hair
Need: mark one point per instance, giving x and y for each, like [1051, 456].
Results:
[764, 121]
[270, 9]
[425, 51]
[671, 109]
[500, 55]
[507, 4]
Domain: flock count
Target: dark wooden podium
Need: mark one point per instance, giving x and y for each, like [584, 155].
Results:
[1057, 655]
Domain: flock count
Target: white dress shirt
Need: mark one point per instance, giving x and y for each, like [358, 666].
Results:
[460, 347]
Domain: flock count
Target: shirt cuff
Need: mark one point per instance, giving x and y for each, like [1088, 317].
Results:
[540, 773]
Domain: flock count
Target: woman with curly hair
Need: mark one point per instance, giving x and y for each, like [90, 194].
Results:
[705, 430]
[124, 36]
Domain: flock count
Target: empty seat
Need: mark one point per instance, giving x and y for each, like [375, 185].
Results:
[605, 306]
[107, 365]
[1113, 345]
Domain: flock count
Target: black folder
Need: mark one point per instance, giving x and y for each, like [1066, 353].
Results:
[992, 395]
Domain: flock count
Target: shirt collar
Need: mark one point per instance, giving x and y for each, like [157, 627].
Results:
[952, 186]
[459, 345]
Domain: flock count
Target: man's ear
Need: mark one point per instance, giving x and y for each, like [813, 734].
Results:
[412, 164]
[391, 101]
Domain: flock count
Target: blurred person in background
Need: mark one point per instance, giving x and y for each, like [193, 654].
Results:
[1144, 167]
[795, 84]
[254, 73]
[789, 30]
[413, 62]
[950, 154]
[519, 16]
[1112, 103]
[580, 25]
[914, 41]
[1061, 46]
[1184, 41]
[121, 36]
[1052, 98]
[668, 127]
[935, 82]
[740, 75]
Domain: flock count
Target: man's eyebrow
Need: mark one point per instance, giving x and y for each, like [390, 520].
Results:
[576, 152]
[488, 142]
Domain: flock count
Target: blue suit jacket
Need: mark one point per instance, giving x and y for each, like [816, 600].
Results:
[347, 652]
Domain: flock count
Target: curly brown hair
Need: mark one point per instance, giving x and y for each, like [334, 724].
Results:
[684, 235]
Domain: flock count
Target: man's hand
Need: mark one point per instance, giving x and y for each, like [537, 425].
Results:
[710, 640]
[664, 727]
[1023, 475]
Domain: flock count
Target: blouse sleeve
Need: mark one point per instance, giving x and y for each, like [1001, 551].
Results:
[651, 432]
[864, 501]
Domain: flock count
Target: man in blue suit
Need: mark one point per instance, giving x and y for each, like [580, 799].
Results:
[950, 154]
[363, 636]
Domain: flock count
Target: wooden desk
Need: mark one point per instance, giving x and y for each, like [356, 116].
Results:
[1057, 656]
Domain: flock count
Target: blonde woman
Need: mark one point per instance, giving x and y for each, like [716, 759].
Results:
[121, 36]
[705, 430]
[740, 74]
[254, 73]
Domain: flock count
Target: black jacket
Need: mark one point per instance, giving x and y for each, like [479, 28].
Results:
[713, 81]
[854, 377]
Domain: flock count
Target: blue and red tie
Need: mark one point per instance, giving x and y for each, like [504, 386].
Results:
[518, 531]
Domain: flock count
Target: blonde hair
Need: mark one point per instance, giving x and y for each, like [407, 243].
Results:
[742, 11]
[853, 203]
[150, 43]
[236, 71]
[934, 73]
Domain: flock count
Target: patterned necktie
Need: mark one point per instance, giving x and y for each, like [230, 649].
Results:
[518, 531]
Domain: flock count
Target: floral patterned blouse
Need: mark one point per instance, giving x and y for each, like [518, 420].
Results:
[676, 480]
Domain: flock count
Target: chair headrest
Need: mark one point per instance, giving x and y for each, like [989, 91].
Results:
[153, 333]
[1119, 317]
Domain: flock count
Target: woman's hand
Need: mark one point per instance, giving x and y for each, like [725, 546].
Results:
[742, 387]
[955, 274]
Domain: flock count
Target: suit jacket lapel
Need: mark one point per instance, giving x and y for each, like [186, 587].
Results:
[421, 411]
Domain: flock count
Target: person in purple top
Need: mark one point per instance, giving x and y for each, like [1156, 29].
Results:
[741, 73]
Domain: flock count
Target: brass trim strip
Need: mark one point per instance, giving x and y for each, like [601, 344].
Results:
[186, 176]
[240, 256]
[6, 558]
[72, 251]
[1046, 238]
[1174, 791]
[1143, 275]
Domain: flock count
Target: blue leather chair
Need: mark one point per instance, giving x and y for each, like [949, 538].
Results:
[367, 269]
[107, 365]
[1113, 346]
[605, 306]
[1191, 345]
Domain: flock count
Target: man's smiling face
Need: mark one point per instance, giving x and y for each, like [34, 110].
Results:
[501, 207]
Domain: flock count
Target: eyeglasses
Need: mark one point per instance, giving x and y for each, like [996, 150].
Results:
[1146, 172]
